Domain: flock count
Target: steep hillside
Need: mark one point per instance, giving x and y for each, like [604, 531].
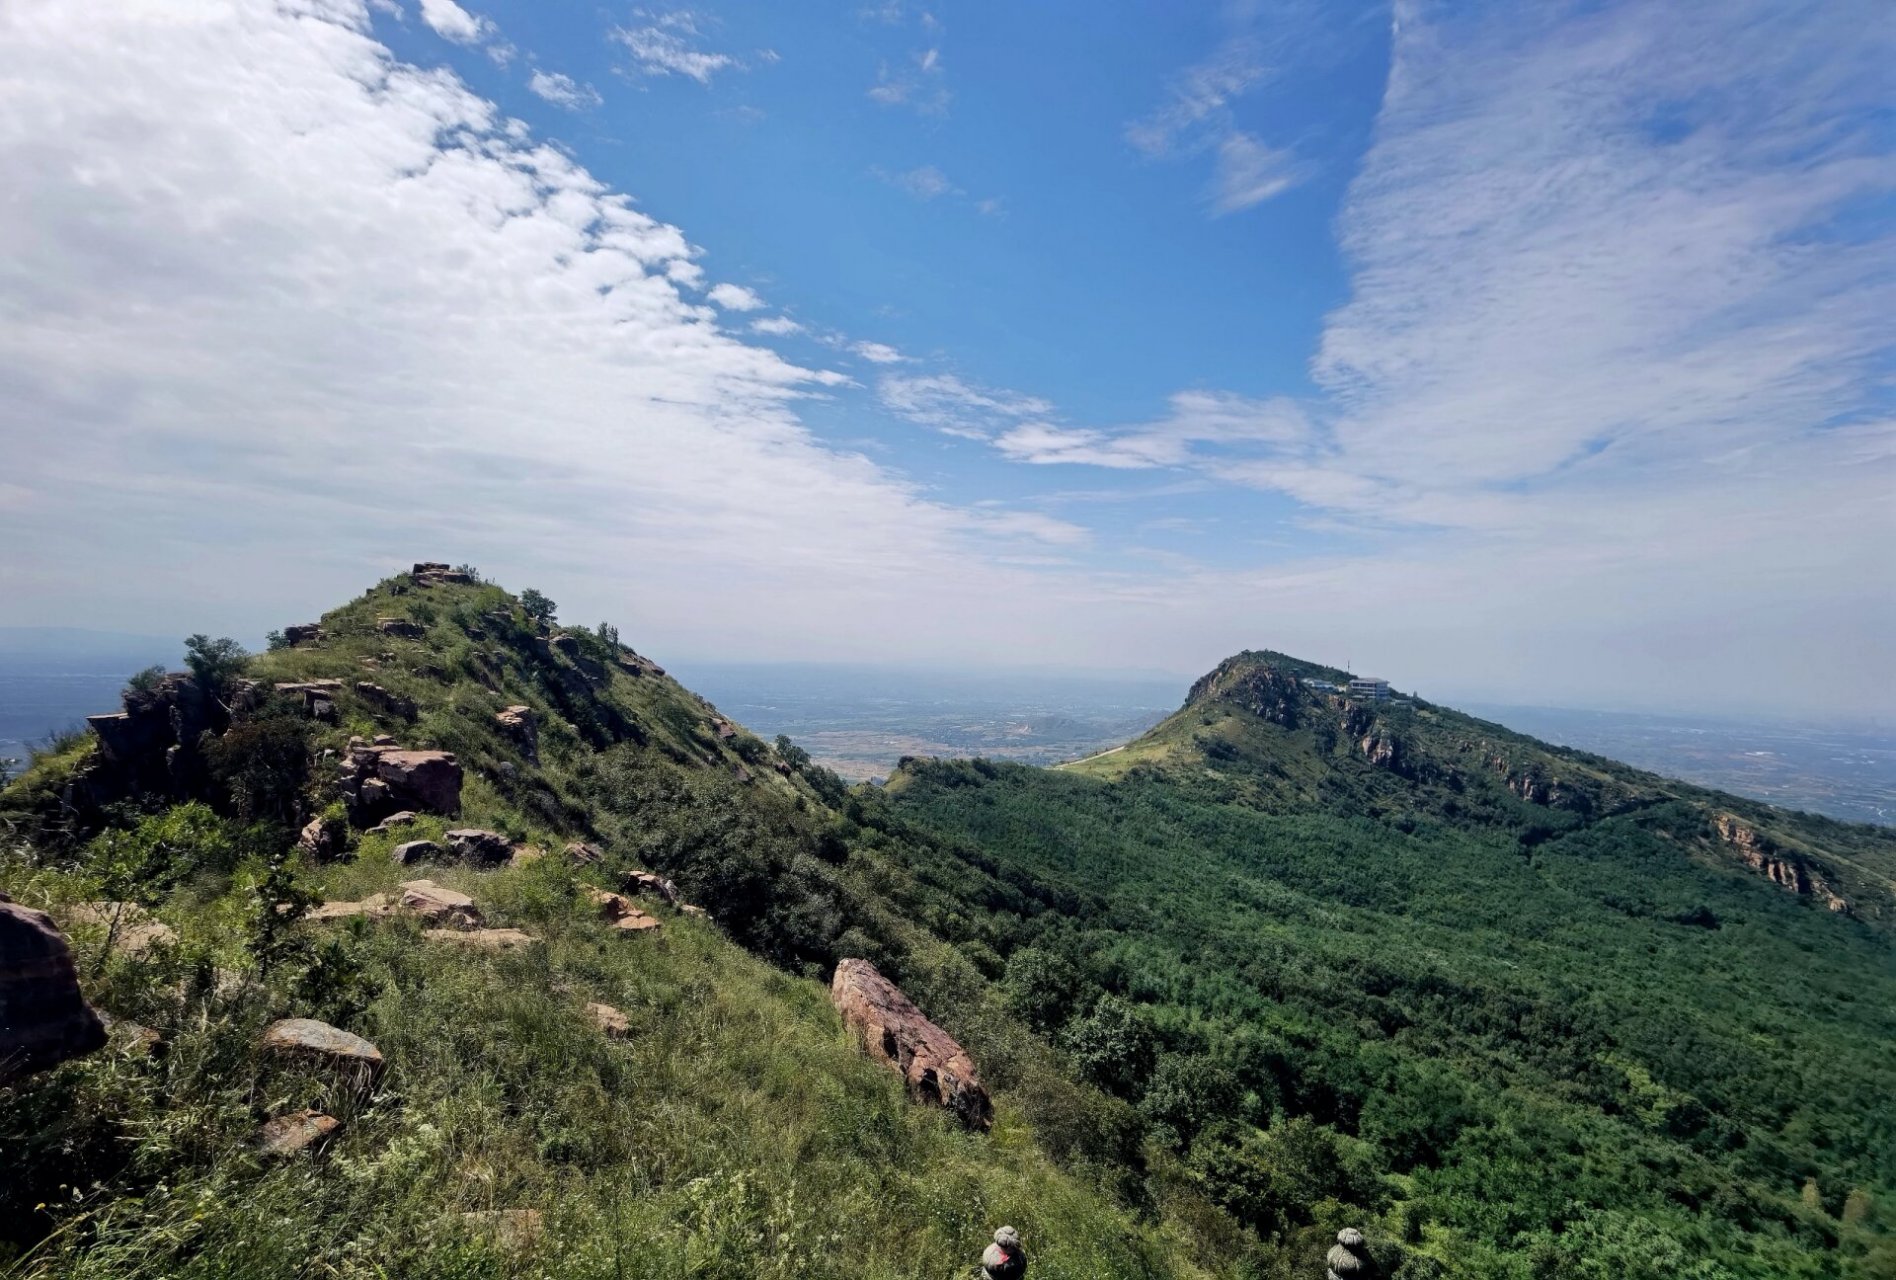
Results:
[1582, 1020]
[586, 1085]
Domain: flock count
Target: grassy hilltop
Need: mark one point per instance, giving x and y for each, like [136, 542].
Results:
[1288, 963]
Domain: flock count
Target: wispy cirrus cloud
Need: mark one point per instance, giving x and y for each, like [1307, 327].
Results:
[668, 43]
[563, 90]
[949, 403]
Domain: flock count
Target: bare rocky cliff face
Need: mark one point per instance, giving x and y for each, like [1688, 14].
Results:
[1789, 870]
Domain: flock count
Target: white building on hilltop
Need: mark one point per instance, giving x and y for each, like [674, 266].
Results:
[1369, 688]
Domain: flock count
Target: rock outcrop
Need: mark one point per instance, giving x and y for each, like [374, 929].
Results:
[150, 747]
[325, 839]
[44, 1020]
[938, 1071]
[402, 628]
[618, 911]
[430, 573]
[303, 634]
[411, 852]
[439, 905]
[520, 723]
[379, 780]
[386, 700]
[1788, 870]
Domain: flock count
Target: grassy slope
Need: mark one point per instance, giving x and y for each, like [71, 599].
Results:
[737, 1133]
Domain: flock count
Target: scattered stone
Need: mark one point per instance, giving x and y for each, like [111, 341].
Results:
[404, 818]
[892, 1029]
[44, 1020]
[724, 729]
[513, 1230]
[692, 909]
[384, 740]
[583, 855]
[413, 851]
[439, 905]
[482, 939]
[637, 922]
[303, 634]
[325, 838]
[657, 886]
[286, 1135]
[480, 848]
[403, 627]
[609, 1020]
[522, 724]
[318, 696]
[318, 1043]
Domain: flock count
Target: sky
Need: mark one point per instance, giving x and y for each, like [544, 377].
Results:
[1533, 353]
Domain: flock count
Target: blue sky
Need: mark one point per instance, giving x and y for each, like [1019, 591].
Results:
[1535, 353]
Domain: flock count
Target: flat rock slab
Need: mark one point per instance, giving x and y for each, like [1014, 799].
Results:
[581, 854]
[44, 1020]
[482, 939]
[316, 1042]
[375, 906]
[439, 905]
[609, 1020]
[637, 922]
[298, 1131]
[891, 1029]
[405, 818]
[644, 882]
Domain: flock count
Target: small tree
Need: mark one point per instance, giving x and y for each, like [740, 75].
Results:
[142, 682]
[276, 640]
[215, 663]
[538, 607]
[793, 755]
[609, 634]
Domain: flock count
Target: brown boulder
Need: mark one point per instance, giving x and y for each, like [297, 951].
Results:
[324, 838]
[583, 855]
[319, 1044]
[439, 905]
[404, 818]
[611, 1021]
[287, 1135]
[893, 1030]
[44, 1020]
[430, 779]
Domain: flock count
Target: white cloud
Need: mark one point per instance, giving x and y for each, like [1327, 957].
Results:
[402, 328]
[563, 90]
[665, 45]
[1249, 173]
[776, 326]
[451, 22]
[735, 297]
[1201, 93]
[1196, 419]
[948, 403]
[878, 353]
[924, 183]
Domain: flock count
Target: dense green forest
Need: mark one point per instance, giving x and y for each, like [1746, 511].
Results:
[1289, 963]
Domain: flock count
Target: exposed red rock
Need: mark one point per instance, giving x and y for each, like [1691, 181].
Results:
[892, 1029]
[319, 1044]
